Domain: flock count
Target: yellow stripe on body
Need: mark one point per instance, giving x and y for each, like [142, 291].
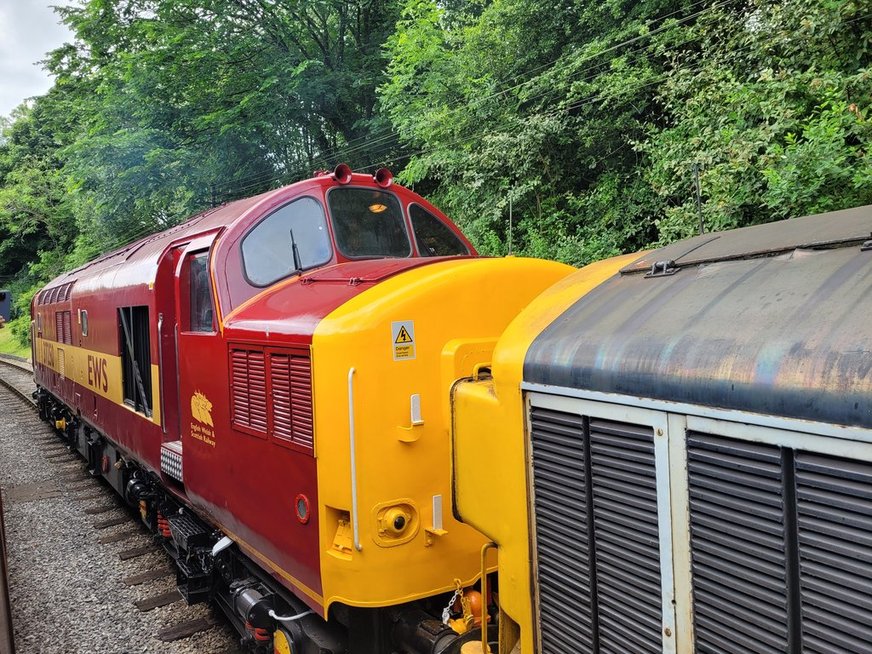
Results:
[490, 443]
[97, 371]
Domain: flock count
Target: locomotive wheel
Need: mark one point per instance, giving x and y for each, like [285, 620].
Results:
[282, 643]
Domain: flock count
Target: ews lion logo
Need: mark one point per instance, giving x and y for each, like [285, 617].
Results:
[201, 409]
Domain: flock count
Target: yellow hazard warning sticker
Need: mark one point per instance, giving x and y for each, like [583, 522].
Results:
[403, 339]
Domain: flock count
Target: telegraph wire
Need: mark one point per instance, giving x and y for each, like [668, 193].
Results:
[366, 142]
[133, 236]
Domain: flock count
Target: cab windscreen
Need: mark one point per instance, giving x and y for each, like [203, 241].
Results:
[368, 223]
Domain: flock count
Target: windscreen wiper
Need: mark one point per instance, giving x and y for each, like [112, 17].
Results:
[298, 265]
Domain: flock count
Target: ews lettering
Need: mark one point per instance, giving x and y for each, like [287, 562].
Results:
[98, 376]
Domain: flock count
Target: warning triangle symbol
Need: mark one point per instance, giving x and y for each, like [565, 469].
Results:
[403, 336]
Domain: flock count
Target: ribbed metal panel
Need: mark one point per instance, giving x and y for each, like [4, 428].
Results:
[68, 328]
[834, 507]
[248, 375]
[566, 610]
[596, 535]
[280, 394]
[291, 394]
[627, 541]
[301, 400]
[740, 591]
[64, 327]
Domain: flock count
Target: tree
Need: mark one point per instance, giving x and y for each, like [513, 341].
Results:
[591, 116]
[774, 103]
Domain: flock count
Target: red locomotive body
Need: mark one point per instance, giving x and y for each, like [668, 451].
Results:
[202, 372]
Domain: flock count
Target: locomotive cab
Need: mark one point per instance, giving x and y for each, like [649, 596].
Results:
[268, 384]
[326, 222]
[343, 314]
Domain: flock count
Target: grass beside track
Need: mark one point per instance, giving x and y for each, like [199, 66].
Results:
[10, 345]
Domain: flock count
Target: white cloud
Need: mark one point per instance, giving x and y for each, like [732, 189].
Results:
[28, 30]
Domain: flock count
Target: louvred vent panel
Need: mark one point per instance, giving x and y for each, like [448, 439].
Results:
[738, 532]
[291, 393]
[834, 524]
[68, 327]
[249, 399]
[597, 539]
[63, 327]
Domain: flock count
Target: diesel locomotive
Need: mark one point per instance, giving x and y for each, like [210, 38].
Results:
[268, 384]
[672, 451]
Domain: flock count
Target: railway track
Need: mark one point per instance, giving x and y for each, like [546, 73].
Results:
[7, 646]
[83, 575]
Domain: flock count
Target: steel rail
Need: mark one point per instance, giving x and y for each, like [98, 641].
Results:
[17, 391]
[16, 362]
[7, 644]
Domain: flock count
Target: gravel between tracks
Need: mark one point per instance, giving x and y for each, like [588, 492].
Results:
[65, 587]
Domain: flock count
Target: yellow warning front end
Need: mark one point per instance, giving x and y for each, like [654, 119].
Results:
[490, 455]
[383, 367]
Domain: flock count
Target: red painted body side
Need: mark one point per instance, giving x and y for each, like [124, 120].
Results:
[242, 482]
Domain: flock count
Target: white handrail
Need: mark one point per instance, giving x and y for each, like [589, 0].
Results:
[352, 446]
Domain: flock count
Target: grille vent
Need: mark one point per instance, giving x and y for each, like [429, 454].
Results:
[781, 542]
[63, 327]
[834, 506]
[272, 394]
[68, 328]
[248, 374]
[566, 603]
[291, 394]
[738, 546]
[626, 533]
[596, 534]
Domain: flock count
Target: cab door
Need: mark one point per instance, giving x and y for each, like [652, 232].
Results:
[202, 369]
[166, 328]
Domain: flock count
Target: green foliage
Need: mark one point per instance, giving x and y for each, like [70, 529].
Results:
[521, 100]
[774, 107]
[592, 116]
[564, 130]
[162, 108]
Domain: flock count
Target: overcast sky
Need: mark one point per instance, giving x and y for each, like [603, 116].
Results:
[28, 29]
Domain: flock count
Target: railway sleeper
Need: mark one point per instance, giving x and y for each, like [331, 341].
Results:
[210, 568]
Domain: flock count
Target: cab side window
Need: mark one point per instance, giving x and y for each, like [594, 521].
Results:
[268, 250]
[433, 237]
[202, 314]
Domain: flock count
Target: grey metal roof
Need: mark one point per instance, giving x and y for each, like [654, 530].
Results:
[821, 230]
[773, 319]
